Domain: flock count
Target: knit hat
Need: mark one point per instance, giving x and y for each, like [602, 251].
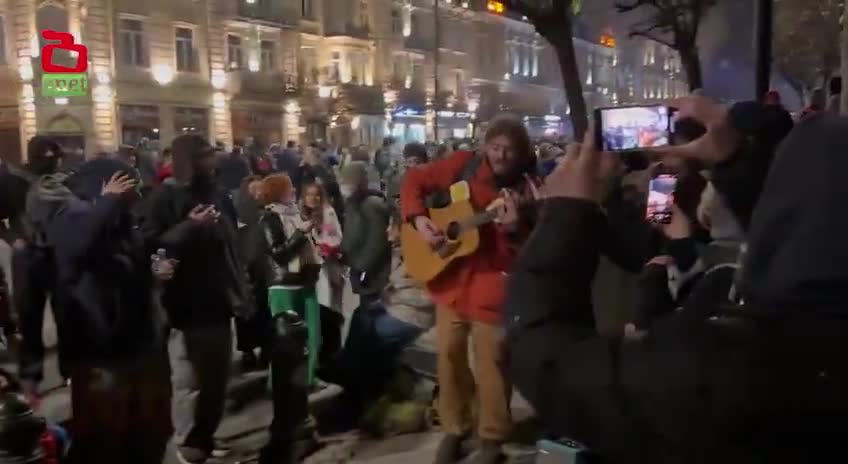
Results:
[415, 150]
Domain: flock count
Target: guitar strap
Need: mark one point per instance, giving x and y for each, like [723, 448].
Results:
[442, 199]
[470, 168]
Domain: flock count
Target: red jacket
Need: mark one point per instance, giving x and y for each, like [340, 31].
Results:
[473, 286]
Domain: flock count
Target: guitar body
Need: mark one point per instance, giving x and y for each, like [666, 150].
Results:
[425, 264]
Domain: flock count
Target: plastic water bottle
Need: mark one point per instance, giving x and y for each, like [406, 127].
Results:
[160, 256]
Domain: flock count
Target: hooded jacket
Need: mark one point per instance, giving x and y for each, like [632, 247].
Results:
[365, 244]
[797, 252]
[208, 284]
[103, 291]
[764, 382]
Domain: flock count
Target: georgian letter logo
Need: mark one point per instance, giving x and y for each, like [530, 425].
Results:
[66, 42]
[58, 80]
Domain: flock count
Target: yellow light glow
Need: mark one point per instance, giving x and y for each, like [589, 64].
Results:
[102, 94]
[495, 7]
[26, 71]
[219, 79]
[219, 100]
[292, 107]
[27, 92]
[163, 74]
[102, 75]
[253, 64]
[608, 41]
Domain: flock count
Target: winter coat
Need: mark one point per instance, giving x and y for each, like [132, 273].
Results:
[474, 287]
[208, 285]
[284, 254]
[758, 382]
[103, 299]
[365, 245]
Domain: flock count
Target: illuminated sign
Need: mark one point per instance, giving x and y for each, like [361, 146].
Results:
[62, 81]
[451, 114]
[409, 112]
[607, 41]
[552, 118]
[495, 7]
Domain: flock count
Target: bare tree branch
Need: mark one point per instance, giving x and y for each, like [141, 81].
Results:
[673, 23]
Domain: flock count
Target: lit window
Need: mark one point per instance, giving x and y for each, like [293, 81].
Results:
[335, 67]
[184, 45]
[234, 52]
[535, 71]
[527, 58]
[131, 49]
[266, 55]
[363, 13]
[516, 58]
[2, 40]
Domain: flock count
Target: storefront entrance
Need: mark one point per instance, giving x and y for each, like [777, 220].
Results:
[68, 133]
[138, 122]
[191, 121]
[266, 127]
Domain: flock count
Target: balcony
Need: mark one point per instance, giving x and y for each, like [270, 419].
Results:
[349, 29]
[361, 99]
[266, 11]
[262, 85]
[416, 42]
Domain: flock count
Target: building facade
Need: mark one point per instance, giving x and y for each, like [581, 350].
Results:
[347, 72]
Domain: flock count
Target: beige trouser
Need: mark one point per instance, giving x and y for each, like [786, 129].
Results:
[456, 383]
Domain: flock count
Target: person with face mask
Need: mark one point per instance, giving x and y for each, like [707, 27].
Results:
[114, 339]
[469, 295]
[365, 247]
[195, 222]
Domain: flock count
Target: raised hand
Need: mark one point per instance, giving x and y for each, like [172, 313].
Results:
[119, 184]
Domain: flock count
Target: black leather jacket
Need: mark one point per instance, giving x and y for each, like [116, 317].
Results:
[278, 251]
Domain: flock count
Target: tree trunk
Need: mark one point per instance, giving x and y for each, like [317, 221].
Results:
[692, 67]
[563, 43]
[843, 99]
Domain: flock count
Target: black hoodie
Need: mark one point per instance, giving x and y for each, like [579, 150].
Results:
[103, 292]
[798, 253]
[208, 286]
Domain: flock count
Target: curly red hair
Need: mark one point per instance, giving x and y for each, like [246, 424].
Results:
[274, 187]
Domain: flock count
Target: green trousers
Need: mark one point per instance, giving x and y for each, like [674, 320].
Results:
[304, 302]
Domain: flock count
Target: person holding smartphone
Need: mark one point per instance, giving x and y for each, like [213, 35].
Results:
[761, 379]
[195, 222]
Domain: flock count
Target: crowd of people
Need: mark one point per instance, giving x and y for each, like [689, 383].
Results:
[731, 349]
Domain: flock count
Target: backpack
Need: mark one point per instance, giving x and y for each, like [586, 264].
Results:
[443, 199]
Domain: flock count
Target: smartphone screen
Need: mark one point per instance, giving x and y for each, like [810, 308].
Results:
[661, 198]
[633, 127]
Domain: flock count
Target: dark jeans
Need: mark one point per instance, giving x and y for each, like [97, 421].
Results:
[392, 332]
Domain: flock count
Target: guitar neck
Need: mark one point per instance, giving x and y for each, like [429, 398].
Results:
[479, 219]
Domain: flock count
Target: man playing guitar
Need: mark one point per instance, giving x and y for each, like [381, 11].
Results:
[469, 294]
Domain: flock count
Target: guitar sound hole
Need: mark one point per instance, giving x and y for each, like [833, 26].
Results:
[453, 230]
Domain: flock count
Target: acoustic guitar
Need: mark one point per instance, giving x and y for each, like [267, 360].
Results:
[460, 224]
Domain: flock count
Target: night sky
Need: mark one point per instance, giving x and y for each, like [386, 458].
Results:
[726, 44]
